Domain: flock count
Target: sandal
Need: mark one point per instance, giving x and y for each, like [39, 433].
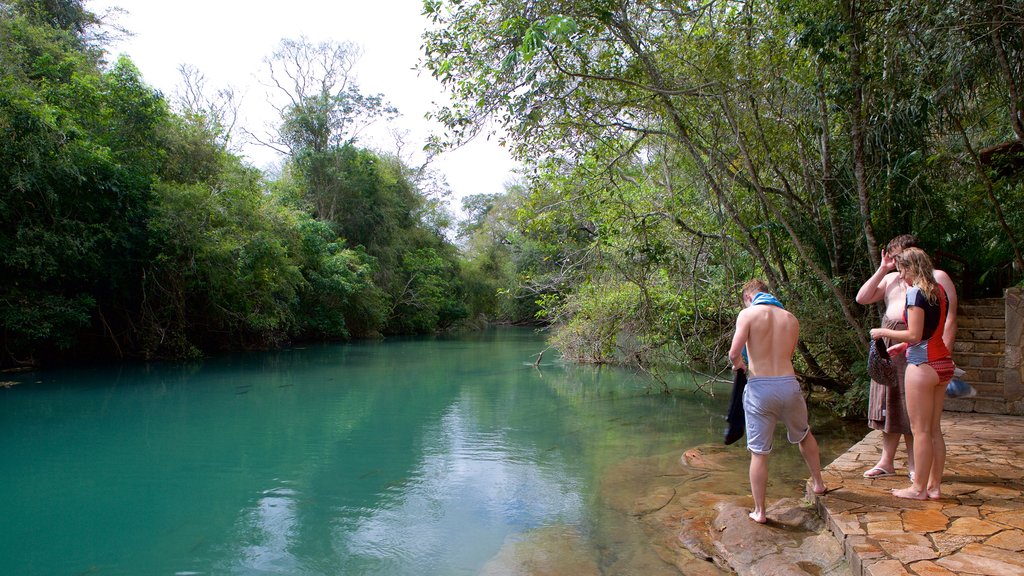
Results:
[878, 472]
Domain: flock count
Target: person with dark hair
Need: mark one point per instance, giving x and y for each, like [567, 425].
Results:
[887, 410]
[929, 369]
[769, 334]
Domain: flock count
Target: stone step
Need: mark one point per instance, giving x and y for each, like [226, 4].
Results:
[971, 334]
[973, 308]
[988, 389]
[979, 404]
[975, 358]
[983, 302]
[981, 367]
[987, 377]
[964, 322]
[978, 346]
[981, 351]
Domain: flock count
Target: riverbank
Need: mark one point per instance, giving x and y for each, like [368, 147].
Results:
[857, 528]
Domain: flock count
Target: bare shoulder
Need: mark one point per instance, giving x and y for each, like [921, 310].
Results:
[745, 314]
[790, 317]
[943, 278]
[947, 283]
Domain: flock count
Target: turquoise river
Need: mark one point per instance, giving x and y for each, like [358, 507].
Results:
[432, 456]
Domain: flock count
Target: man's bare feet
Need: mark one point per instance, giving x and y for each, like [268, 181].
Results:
[760, 518]
[910, 494]
[819, 488]
[935, 494]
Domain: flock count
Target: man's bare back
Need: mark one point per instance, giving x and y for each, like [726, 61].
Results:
[772, 340]
[770, 335]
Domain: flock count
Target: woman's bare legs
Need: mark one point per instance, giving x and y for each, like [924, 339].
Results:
[890, 445]
[908, 439]
[934, 485]
[890, 442]
[924, 407]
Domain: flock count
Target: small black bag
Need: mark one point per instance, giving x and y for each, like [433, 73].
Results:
[880, 366]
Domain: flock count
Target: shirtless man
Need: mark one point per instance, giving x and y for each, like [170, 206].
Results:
[769, 334]
[887, 410]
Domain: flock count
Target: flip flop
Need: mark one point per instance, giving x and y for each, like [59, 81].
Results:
[878, 472]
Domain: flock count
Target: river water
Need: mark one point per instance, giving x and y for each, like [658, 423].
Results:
[406, 457]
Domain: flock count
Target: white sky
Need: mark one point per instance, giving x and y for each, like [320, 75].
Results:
[227, 41]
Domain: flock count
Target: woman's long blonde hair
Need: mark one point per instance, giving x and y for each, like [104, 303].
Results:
[917, 266]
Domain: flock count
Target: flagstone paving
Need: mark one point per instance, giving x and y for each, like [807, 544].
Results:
[977, 528]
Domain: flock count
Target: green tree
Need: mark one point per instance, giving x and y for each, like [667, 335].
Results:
[338, 298]
[678, 151]
[371, 200]
[76, 162]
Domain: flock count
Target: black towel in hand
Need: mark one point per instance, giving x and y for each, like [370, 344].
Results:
[737, 421]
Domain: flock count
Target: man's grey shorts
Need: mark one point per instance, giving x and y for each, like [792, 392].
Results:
[768, 399]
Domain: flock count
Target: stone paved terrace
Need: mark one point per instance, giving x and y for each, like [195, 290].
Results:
[977, 528]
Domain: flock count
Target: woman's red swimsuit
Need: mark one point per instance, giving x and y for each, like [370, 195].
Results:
[931, 349]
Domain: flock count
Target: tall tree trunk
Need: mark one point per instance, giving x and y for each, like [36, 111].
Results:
[857, 130]
[780, 217]
[827, 176]
[996, 22]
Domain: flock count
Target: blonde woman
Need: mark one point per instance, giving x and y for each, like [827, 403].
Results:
[929, 368]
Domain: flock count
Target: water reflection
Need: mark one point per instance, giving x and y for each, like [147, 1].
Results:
[269, 530]
[472, 487]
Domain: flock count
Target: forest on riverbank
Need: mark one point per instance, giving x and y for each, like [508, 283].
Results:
[671, 151]
[130, 228]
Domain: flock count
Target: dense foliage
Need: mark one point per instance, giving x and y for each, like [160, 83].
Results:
[672, 150]
[676, 149]
[128, 228]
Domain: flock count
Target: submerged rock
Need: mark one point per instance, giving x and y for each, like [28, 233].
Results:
[792, 543]
[694, 510]
[695, 458]
[672, 515]
[548, 551]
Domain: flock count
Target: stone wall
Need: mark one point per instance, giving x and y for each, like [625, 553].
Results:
[1013, 380]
